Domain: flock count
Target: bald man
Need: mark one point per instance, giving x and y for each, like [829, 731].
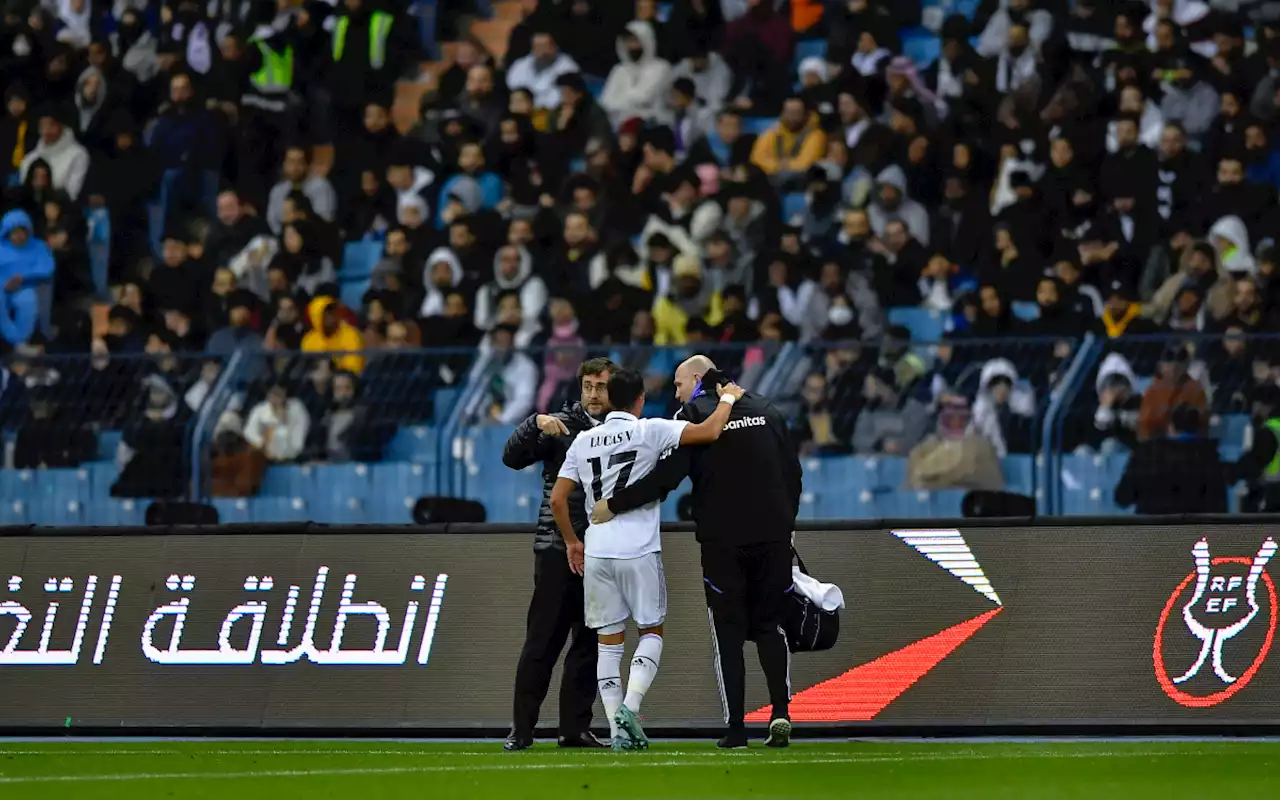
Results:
[746, 493]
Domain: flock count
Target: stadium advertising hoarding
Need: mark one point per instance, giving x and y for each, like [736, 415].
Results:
[396, 629]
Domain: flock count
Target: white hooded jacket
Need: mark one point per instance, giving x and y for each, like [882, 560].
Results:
[532, 291]
[433, 303]
[1236, 257]
[636, 88]
[67, 159]
[986, 414]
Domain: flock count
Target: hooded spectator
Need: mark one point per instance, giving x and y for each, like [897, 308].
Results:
[1005, 411]
[511, 379]
[636, 85]
[1115, 420]
[512, 272]
[712, 79]
[892, 202]
[68, 160]
[25, 264]
[153, 447]
[331, 334]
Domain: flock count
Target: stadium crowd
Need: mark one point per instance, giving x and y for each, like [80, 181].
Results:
[1050, 169]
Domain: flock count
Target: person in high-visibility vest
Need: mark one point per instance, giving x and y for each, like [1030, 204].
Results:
[268, 110]
[370, 49]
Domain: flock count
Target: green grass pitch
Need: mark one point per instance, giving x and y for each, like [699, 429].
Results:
[352, 769]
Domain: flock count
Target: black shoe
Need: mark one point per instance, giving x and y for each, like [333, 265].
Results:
[779, 733]
[516, 741]
[735, 739]
[585, 739]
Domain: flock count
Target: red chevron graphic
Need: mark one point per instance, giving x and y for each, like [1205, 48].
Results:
[864, 691]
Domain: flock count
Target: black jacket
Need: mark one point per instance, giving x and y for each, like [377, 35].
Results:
[746, 486]
[1175, 476]
[527, 446]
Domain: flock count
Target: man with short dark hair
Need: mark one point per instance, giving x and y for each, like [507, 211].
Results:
[556, 608]
[746, 493]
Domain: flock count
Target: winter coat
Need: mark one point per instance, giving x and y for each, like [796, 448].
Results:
[526, 447]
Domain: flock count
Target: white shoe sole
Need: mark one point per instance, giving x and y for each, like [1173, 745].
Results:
[779, 733]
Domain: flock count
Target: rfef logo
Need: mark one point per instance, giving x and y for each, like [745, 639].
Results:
[1215, 646]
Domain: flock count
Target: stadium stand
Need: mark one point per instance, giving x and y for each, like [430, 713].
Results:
[313, 262]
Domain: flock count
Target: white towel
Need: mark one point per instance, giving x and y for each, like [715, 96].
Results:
[826, 596]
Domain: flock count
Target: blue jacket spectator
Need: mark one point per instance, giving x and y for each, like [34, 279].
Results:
[25, 262]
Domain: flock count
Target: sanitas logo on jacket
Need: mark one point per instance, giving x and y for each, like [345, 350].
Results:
[746, 422]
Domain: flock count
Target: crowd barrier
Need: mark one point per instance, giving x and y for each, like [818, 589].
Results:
[963, 625]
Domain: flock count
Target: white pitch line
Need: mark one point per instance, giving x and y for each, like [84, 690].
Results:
[518, 766]
[496, 752]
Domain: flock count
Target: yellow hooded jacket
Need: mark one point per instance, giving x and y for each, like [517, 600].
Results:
[346, 339]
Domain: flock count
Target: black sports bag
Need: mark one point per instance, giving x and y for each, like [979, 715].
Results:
[809, 628]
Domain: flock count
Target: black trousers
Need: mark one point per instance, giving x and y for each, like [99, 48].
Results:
[745, 589]
[554, 613]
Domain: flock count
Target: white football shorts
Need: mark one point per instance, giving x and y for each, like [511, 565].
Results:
[618, 589]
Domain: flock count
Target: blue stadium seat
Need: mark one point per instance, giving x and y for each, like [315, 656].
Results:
[669, 512]
[232, 510]
[401, 482]
[1232, 428]
[351, 293]
[109, 511]
[287, 480]
[1019, 474]
[418, 444]
[757, 125]
[926, 325]
[664, 12]
[444, 400]
[359, 259]
[594, 85]
[793, 205]
[1025, 310]
[108, 442]
[99, 249]
[279, 509]
[101, 475]
[921, 46]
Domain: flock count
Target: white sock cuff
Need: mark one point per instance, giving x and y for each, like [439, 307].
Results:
[610, 649]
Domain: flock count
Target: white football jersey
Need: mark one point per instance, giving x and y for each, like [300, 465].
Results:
[610, 456]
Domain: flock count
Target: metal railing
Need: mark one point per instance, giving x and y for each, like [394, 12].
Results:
[860, 399]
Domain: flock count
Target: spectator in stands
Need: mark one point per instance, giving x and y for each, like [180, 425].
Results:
[512, 272]
[539, 71]
[821, 428]
[787, 150]
[1122, 315]
[690, 297]
[297, 177]
[50, 436]
[1005, 411]
[565, 349]
[19, 132]
[331, 334]
[339, 431]
[1180, 473]
[232, 230]
[636, 86]
[371, 49]
[758, 47]
[152, 448]
[26, 264]
[892, 202]
[278, 426]
[1115, 421]
[712, 79]
[512, 380]
[67, 159]
[239, 333]
[956, 456]
[472, 188]
[1172, 388]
